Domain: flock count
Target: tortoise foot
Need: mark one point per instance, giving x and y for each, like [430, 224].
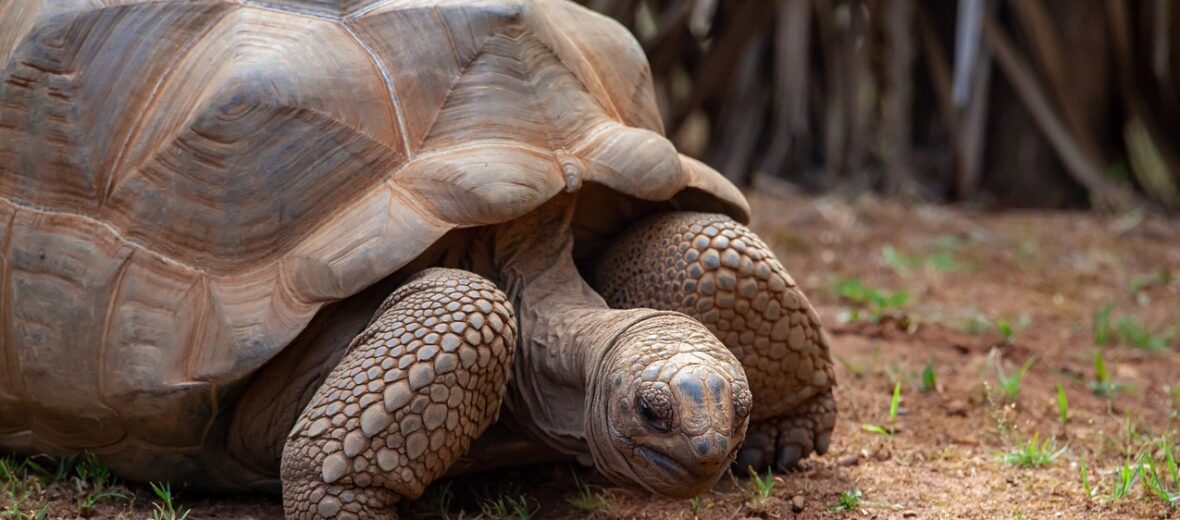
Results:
[416, 386]
[782, 442]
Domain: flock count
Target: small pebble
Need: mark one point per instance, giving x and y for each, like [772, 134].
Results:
[797, 504]
[850, 460]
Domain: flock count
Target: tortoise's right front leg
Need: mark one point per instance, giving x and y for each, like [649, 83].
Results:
[416, 386]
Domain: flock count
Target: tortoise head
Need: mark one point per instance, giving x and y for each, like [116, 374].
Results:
[668, 407]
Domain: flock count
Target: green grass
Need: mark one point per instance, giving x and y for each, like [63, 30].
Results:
[1169, 495]
[1010, 384]
[1009, 329]
[94, 484]
[1160, 478]
[1062, 405]
[1139, 284]
[878, 303]
[697, 504]
[1102, 385]
[1134, 333]
[761, 489]
[165, 507]
[1129, 330]
[587, 500]
[979, 323]
[504, 507]
[1085, 474]
[1102, 324]
[893, 405]
[1124, 481]
[940, 256]
[929, 378]
[21, 479]
[18, 490]
[848, 501]
[1035, 454]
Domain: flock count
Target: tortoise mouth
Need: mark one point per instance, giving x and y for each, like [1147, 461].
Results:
[663, 461]
[669, 477]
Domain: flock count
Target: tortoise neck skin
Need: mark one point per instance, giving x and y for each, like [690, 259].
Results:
[566, 327]
[652, 396]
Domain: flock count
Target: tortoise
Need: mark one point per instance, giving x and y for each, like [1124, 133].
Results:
[343, 248]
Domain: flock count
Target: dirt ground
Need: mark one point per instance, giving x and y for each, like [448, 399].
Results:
[981, 289]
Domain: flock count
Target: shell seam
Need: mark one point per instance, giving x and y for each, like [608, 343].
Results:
[389, 88]
[149, 107]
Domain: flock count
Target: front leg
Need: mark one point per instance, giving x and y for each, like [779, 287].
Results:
[718, 271]
[416, 386]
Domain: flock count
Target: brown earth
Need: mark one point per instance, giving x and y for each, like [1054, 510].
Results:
[1045, 274]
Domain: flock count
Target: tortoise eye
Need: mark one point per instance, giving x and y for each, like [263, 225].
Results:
[655, 405]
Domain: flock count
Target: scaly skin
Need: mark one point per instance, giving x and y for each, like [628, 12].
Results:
[718, 271]
[423, 379]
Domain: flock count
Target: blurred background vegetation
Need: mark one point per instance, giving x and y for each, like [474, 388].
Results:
[1009, 103]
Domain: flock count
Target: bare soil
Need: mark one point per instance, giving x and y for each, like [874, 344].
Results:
[1046, 275]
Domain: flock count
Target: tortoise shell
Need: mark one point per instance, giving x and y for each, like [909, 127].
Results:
[184, 184]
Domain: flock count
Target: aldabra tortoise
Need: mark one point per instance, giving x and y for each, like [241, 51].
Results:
[326, 243]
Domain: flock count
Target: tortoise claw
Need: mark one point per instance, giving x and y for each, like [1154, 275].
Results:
[786, 441]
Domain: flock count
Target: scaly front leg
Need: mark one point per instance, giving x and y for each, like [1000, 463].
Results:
[718, 271]
[416, 386]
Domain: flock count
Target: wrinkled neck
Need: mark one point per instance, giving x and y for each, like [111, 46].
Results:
[566, 329]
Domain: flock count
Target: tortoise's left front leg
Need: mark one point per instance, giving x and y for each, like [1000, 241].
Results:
[718, 271]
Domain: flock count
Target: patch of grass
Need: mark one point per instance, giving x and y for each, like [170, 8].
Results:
[697, 504]
[1010, 384]
[165, 508]
[1168, 494]
[505, 507]
[1102, 385]
[1035, 454]
[878, 303]
[92, 471]
[761, 490]
[941, 257]
[1139, 284]
[848, 501]
[893, 405]
[15, 512]
[1085, 474]
[94, 484]
[929, 378]
[1062, 405]
[1102, 324]
[49, 469]
[1124, 481]
[979, 323]
[588, 500]
[20, 490]
[1160, 479]
[1129, 330]
[1132, 332]
[1009, 329]
[899, 262]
